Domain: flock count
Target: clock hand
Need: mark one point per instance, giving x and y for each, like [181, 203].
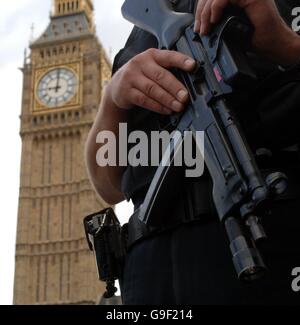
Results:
[54, 88]
[58, 78]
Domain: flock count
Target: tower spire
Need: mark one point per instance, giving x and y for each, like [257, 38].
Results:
[32, 28]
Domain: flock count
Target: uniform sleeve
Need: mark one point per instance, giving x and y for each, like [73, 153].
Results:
[118, 59]
[138, 42]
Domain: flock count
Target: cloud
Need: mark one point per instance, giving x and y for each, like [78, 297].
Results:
[112, 29]
[17, 17]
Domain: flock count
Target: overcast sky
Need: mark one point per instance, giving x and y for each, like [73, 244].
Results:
[16, 19]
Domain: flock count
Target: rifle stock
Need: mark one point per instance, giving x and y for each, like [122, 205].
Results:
[169, 24]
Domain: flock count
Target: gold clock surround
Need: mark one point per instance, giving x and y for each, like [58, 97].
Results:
[73, 103]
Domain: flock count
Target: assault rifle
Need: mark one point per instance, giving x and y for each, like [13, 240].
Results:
[240, 192]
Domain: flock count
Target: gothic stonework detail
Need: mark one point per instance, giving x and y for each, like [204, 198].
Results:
[63, 79]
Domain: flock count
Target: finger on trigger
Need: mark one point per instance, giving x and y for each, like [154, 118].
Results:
[205, 18]
[200, 7]
[217, 8]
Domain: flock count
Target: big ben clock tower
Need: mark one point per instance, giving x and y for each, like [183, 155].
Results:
[63, 80]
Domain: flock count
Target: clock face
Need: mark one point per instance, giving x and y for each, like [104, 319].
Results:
[57, 87]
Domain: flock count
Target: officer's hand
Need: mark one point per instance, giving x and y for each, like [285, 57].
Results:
[145, 81]
[272, 38]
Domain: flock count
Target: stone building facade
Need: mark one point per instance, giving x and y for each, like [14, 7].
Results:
[63, 81]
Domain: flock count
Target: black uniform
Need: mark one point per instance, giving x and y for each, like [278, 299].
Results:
[191, 264]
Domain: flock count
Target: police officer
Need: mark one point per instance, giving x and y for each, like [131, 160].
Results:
[190, 263]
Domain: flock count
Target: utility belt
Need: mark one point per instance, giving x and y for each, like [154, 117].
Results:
[110, 242]
[137, 231]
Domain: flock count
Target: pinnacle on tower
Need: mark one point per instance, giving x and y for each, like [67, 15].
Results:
[70, 7]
